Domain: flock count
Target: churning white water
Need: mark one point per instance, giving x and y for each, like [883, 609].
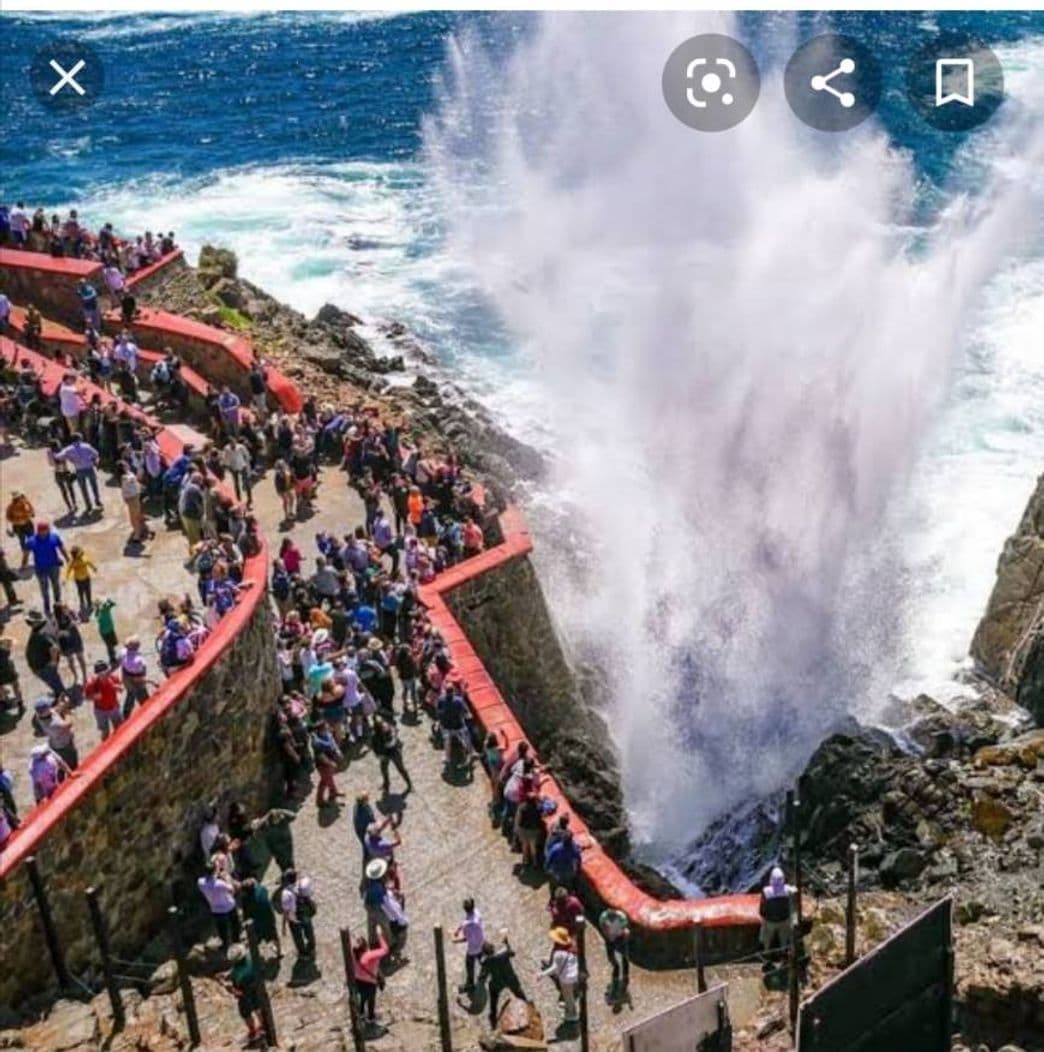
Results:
[741, 339]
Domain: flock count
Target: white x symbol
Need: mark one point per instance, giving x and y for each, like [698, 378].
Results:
[68, 78]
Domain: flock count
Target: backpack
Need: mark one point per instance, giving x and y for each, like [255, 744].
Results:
[169, 650]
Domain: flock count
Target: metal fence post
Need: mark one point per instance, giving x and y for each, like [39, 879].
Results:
[54, 947]
[101, 936]
[795, 814]
[267, 1019]
[445, 1038]
[792, 975]
[353, 992]
[188, 998]
[699, 951]
[850, 909]
[581, 954]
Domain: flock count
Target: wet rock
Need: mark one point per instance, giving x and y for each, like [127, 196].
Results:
[329, 314]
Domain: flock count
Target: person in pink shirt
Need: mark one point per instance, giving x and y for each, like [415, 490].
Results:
[366, 965]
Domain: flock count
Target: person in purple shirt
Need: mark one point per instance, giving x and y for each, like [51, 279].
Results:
[48, 554]
[84, 459]
[229, 403]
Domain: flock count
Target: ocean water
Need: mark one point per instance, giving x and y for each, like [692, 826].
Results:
[503, 184]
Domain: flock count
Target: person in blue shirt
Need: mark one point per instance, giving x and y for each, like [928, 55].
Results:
[172, 479]
[365, 618]
[562, 860]
[48, 553]
[228, 403]
[89, 301]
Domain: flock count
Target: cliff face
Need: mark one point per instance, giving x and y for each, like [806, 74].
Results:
[1009, 642]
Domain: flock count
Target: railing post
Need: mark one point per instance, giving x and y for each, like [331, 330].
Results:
[353, 991]
[792, 975]
[850, 909]
[188, 998]
[795, 818]
[54, 947]
[101, 936]
[267, 1019]
[445, 1038]
[581, 954]
[699, 950]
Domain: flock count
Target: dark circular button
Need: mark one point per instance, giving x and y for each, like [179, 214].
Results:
[67, 74]
[955, 82]
[833, 82]
[711, 82]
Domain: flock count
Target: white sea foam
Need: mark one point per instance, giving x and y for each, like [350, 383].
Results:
[742, 346]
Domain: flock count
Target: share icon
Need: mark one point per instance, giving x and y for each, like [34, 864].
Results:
[822, 83]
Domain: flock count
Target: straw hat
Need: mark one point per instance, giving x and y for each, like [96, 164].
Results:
[376, 868]
[561, 937]
[375, 643]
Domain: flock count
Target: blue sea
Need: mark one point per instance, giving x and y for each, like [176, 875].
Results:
[396, 165]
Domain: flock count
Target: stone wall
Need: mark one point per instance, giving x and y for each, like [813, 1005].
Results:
[135, 831]
[507, 621]
[27, 277]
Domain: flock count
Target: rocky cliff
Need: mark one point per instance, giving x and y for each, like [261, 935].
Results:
[1009, 642]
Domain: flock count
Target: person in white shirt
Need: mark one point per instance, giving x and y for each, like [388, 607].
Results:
[564, 967]
[71, 403]
[19, 225]
[126, 351]
[114, 283]
[221, 899]
[5, 313]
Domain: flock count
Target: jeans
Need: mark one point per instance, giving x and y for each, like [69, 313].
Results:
[367, 999]
[50, 580]
[227, 925]
[394, 757]
[137, 691]
[616, 952]
[303, 934]
[83, 590]
[88, 477]
[50, 675]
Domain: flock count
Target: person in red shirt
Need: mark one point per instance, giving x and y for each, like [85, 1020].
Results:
[103, 689]
[566, 909]
[472, 536]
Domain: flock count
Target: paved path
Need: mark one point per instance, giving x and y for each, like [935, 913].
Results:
[449, 852]
[136, 581]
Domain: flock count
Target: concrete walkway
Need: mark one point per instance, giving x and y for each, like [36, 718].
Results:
[135, 578]
[449, 852]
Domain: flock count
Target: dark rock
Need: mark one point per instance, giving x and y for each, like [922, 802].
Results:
[905, 864]
[328, 314]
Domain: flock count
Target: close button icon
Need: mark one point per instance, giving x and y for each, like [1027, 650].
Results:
[66, 74]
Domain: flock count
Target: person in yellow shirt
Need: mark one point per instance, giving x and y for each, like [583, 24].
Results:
[20, 514]
[80, 568]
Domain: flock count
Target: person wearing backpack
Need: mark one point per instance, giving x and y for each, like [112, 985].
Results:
[298, 907]
[175, 648]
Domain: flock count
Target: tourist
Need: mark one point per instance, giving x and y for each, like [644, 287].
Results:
[566, 910]
[103, 689]
[377, 845]
[452, 715]
[529, 829]
[328, 758]
[564, 969]
[257, 907]
[46, 771]
[363, 816]
[374, 893]
[133, 667]
[616, 930]
[562, 859]
[41, 652]
[33, 328]
[89, 303]
[48, 554]
[9, 679]
[220, 893]
[20, 514]
[284, 487]
[52, 720]
[20, 223]
[775, 909]
[131, 492]
[235, 458]
[297, 904]
[79, 568]
[472, 934]
[366, 964]
[84, 459]
[71, 404]
[7, 580]
[106, 624]
[64, 475]
[406, 667]
[387, 747]
[228, 404]
[243, 982]
[70, 642]
[125, 352]
[191, 509]
[499, 973]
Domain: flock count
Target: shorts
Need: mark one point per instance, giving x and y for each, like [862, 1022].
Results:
[302, 487]
[108, 718]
